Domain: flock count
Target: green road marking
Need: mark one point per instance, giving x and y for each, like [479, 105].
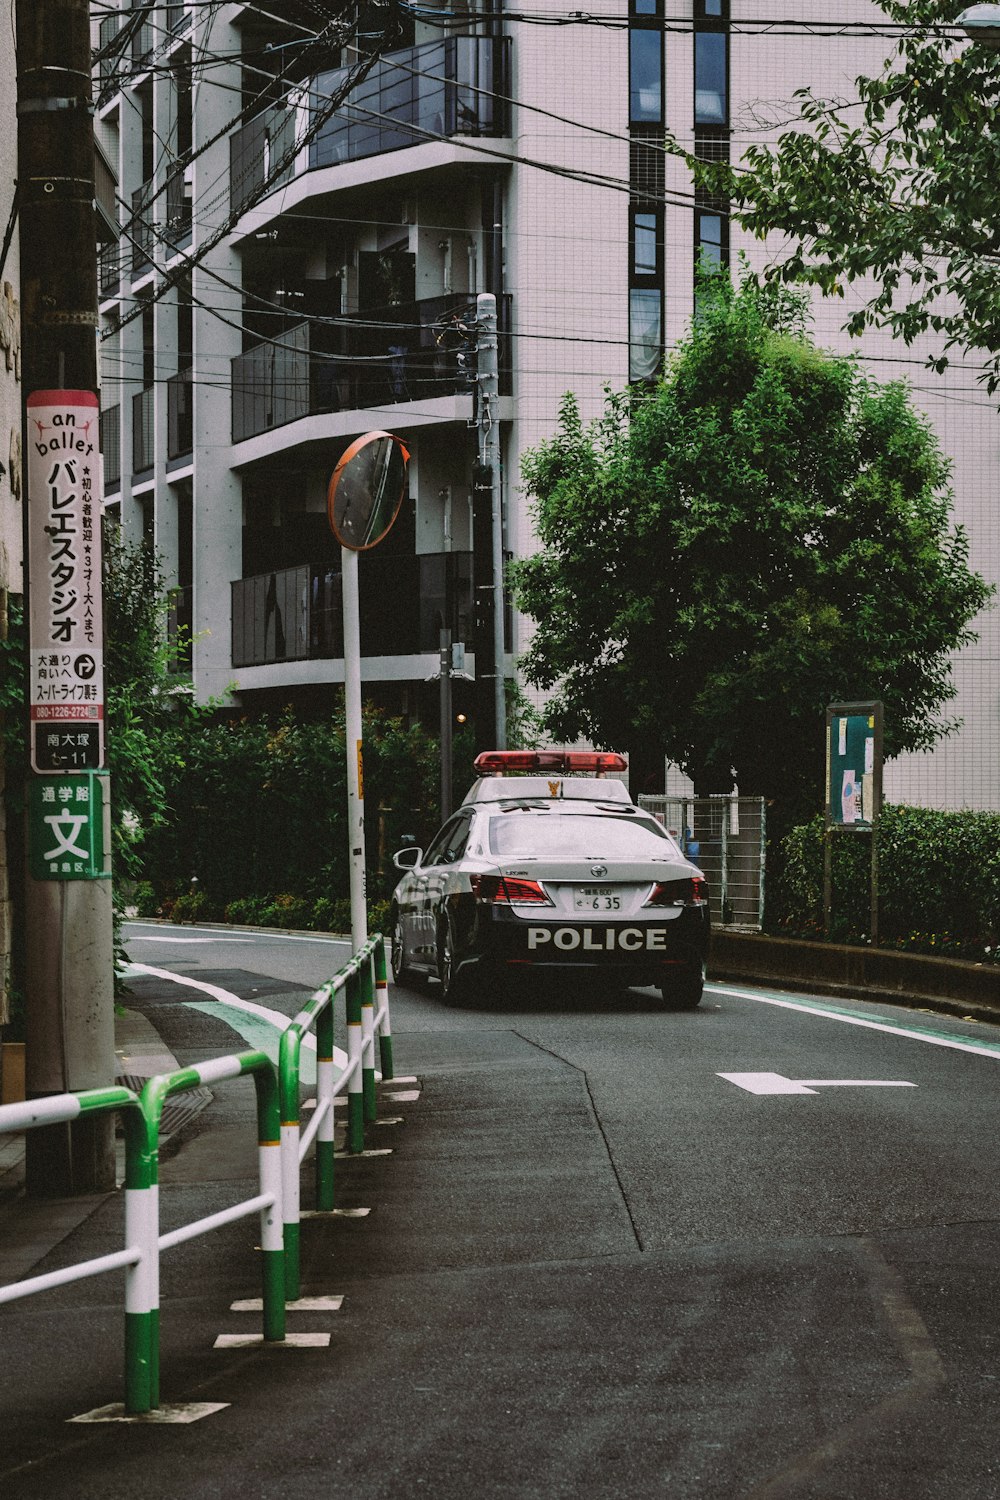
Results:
[263, 1035]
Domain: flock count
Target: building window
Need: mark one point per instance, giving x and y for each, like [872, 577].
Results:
[711, 240]
[646, 245]
[645, 333]
[645, 76]
[711, 92]
[711, 131]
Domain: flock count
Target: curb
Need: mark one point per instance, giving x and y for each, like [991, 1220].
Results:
[968, 991]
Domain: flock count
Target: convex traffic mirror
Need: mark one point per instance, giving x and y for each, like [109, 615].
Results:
[366, 490]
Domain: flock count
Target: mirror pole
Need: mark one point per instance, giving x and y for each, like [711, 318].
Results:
[353, 737]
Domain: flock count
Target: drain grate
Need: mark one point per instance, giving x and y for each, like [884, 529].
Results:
[178, 1111]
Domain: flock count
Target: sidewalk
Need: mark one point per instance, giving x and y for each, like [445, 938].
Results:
[31, 1228]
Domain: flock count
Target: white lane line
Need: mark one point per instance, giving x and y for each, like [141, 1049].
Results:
[255, 936]
[915, 1034]
[142, 937]
[276, 1018]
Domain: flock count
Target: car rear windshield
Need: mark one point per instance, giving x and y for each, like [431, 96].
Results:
[549, 835]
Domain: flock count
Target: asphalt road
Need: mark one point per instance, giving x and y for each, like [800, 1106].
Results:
[741, 1253]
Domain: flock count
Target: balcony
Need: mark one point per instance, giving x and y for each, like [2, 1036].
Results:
[441, 90]
[109, 270]
[180, 415]
[110, 63]
[296, 614]
[180, 622]
[381, 357]
[177, 229]
[143, 450]
[142, 232]
[110, 429]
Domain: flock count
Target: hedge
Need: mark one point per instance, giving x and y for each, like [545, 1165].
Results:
[939, 882]
[257, 824]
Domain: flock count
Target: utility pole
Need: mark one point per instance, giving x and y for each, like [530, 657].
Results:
[445, 720]
[486, 482]
[69, 948]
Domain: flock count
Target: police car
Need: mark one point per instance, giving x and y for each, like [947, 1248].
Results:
[543, 868]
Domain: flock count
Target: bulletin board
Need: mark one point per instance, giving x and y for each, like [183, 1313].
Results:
[853, 766]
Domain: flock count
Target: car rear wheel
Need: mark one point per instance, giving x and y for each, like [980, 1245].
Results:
[685, 990]
[454, 985]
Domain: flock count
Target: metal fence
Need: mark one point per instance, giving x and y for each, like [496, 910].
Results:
[724, 836]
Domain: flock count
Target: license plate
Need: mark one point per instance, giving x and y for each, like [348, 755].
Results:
[596, 898]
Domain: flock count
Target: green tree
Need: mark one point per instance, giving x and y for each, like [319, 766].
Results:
[145, 703]
[764, 532]
[147, 700]
[259, 807]
[898, 185]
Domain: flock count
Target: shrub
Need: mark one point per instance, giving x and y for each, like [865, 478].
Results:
[194, 906]
[329, 915]
[259, 806]
[939, 882]
[145, 900]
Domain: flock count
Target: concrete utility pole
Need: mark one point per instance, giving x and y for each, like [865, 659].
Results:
[69, 950]
[487, 478]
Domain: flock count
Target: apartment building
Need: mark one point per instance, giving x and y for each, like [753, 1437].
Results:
[302, 230]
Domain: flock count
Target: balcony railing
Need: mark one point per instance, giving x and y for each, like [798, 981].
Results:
[296, 614]
[105, 197]
[177, 229]
[180, 621]
[143, 39]
[109, 268]
[376, 358]
[111, 447]
[180, 414]
[141, 228]
[143, 451]
[109, 66]
[453, 87]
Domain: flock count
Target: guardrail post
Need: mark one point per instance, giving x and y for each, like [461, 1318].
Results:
[324, 1101]
[382, 1008]
[288, 1093]
[367, 1033]
[142, 1280]
[271, 1242]
[355, 1098]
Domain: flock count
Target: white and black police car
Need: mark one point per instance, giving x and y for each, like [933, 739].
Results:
[545, 869]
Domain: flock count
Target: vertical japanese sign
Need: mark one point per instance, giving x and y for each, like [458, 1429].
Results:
[66, 626]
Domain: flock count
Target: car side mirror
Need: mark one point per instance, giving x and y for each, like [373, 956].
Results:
[408, 858]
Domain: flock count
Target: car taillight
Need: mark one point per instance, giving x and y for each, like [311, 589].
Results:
[509, 889]
[690, 892]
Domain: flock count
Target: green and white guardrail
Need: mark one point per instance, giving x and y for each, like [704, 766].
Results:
[281, 1150]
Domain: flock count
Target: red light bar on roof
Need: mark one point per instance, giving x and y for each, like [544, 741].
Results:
[503, 762]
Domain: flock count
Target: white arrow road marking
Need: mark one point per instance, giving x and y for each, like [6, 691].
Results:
[774, 1083]
[856, 1083]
